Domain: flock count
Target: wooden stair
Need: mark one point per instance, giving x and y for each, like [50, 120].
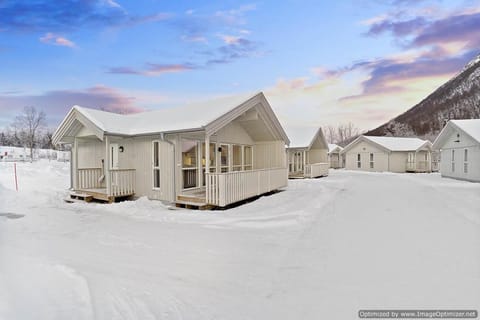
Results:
[77, 196]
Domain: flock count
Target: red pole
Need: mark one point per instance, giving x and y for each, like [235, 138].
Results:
[15, 170]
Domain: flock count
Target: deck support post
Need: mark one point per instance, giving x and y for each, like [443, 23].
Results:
[304, 161]
[207, 155]
[108, 182]
[75, 163]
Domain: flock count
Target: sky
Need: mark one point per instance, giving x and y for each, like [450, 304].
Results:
[319, 63]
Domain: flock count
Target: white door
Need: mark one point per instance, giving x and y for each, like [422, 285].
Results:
[114, 156]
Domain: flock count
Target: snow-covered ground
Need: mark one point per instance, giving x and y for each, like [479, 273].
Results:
[321, 249]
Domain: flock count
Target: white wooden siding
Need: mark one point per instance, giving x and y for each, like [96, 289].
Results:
[90, 153]
[270, 154]
[317, 156]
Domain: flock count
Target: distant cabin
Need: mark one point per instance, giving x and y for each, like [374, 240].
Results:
[392, 154]
[335, 158]
[459, 145]
[308, 157]
[213, 153]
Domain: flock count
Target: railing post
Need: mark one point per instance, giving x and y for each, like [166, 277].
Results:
[108, 177]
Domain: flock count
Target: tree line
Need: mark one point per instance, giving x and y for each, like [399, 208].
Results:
[341, 134]
[29, 129]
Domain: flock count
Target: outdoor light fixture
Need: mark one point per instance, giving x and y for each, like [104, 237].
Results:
[120, 148]
[458, 138]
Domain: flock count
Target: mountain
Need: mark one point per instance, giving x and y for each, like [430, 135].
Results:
[459, 98]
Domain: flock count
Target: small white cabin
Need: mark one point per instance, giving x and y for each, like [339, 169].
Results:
[459, 145]
[308, 158]
[14, 154]
[335, 158]
[393, 154]
[212, 153]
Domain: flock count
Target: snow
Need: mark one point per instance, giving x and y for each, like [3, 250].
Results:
[321, 249]
[469, 126]
[334, 147]
[190, 116]
[398, 143]
[301, 137]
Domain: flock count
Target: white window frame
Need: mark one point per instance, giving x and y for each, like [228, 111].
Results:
[453, 160]
[156, 167]
[198, 167]
[465, 161]
[359, 161]
[372, 161]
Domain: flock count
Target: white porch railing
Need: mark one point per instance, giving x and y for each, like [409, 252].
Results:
[419, 166]
[89, 178]
[225, 188]
[122, 182]
[316, 170]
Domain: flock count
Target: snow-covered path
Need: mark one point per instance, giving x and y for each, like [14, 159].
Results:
[323, 248]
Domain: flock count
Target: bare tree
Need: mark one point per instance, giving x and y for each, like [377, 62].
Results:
[331, 134]
[341, 133]
[28, 125]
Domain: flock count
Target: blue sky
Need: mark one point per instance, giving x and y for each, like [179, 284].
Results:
[319, 62]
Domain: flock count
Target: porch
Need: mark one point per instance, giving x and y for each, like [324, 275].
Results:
[419, 166]
[222, 189]
[93, 184]
[311, 171]
[316, 170]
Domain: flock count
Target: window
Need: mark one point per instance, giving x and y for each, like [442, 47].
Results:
[371, 161]
[465, 161]
[247, 157]
[453, 160]
[237, 157]
[359, 161]
[156, 165]
[224, 161]
[213, 161]
[189, 163]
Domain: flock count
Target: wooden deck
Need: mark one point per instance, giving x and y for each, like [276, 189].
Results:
[96, 194]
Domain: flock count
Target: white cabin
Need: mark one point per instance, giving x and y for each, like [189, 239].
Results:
[308, 158]
[392, 154]
[335, 158]
[459, 145]
[206, 154]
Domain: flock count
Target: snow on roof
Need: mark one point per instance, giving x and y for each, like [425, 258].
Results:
[470, 126]
[397, 143]
[190, 116]
[333, 146]
[301, 137]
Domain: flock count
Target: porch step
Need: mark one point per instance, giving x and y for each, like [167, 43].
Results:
[191, 199]
[81, 196]
[194, 205]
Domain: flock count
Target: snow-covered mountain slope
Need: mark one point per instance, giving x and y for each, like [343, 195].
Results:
[459, 98]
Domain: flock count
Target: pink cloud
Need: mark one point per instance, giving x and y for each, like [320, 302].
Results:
[51, 38]
[57, 103]
[153, 69]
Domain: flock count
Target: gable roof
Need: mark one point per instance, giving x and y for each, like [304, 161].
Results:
[391, 144]
[332, 147]
[470, 127]
[306, 137]
[206, 115]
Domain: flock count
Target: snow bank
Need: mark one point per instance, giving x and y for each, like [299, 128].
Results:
[321, 249]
